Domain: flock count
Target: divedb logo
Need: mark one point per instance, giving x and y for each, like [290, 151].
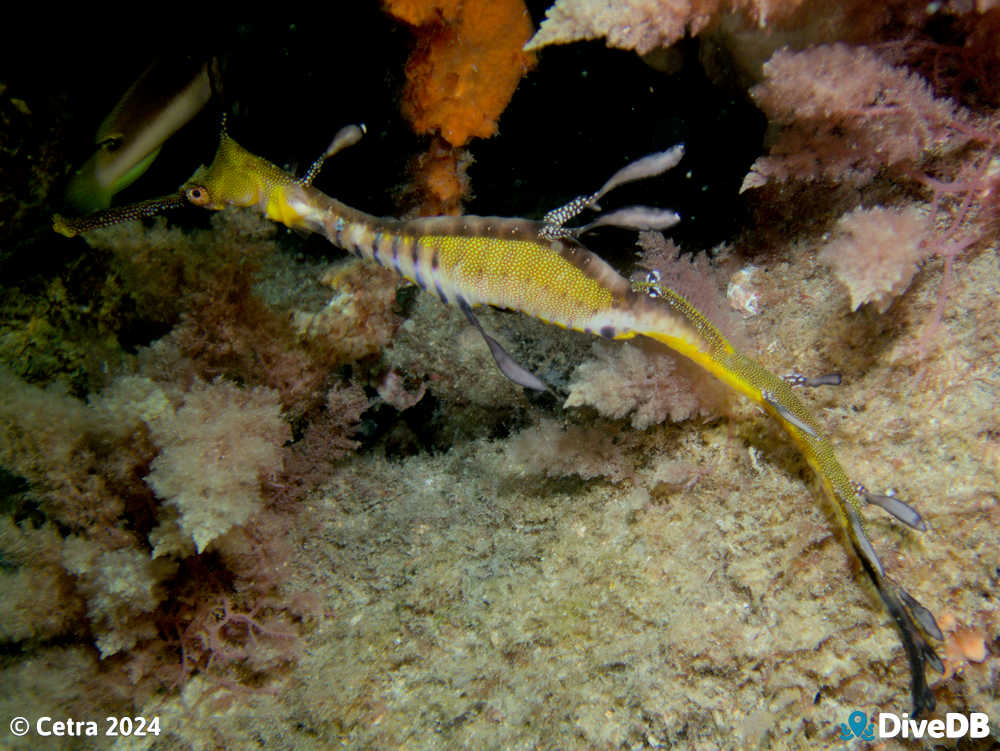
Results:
[954, 725]
[892, 725]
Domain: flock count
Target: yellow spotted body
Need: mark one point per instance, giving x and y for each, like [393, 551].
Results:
[512, 263]
[518, 275]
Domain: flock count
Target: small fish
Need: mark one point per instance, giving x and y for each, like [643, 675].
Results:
[163, 99]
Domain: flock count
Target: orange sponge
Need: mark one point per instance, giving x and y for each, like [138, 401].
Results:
[465, 66]
[440, 182]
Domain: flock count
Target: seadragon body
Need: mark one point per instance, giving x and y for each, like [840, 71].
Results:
[542, 270]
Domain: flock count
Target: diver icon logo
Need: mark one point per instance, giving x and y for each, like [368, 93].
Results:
[857, 726]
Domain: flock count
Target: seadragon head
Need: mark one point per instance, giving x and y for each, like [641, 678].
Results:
[236, 177]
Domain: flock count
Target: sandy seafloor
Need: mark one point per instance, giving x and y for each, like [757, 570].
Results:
[471, 605]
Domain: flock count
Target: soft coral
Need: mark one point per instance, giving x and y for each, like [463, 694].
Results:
[848, 116]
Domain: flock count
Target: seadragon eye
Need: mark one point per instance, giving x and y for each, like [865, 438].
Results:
[197, 195]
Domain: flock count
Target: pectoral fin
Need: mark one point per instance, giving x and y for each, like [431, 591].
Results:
[507, 364]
